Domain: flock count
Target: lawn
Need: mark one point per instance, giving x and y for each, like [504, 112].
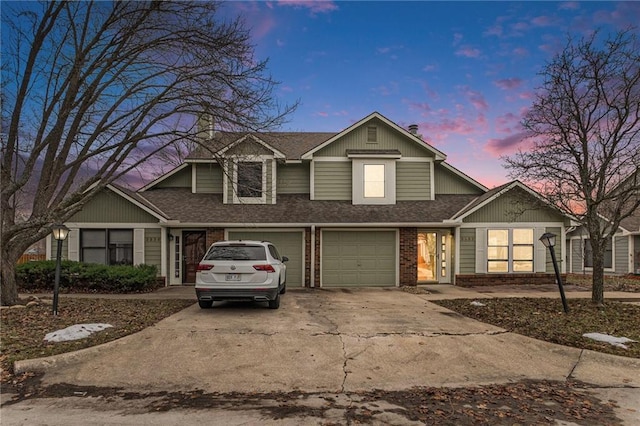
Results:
[23, 330]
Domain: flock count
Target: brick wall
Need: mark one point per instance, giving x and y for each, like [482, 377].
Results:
[307, 257]
[214, 235]
[408, 256]
[316, 261]
[506, 279]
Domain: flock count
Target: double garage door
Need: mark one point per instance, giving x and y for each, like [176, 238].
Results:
[289, 244]
[359, 258]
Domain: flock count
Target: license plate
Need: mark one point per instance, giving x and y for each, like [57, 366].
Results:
[233, 277]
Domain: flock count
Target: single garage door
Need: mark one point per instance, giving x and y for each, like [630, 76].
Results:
[288, 244]
[358, 258]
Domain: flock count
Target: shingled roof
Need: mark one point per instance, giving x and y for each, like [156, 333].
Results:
[291, 144]
[295, 209]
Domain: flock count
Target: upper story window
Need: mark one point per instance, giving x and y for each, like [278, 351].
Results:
[250, 181]
[373, 180]
[510, 250]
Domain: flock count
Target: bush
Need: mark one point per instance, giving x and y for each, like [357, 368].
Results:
[77, 277]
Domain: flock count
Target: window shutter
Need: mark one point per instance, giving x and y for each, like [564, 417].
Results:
[540, 255]
[138, 246]
[481, 250]
[73, 247]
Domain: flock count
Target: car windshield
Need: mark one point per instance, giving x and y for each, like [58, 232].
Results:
[236, 253]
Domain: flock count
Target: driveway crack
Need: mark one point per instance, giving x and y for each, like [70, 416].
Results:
[344, 364]
[575, 365]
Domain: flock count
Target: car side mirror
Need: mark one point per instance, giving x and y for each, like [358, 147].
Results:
[285, 259]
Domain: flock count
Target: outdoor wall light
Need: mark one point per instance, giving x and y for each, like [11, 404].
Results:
[549, 241]
[60, 233]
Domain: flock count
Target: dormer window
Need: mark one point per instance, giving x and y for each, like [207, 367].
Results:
[373, 175]
[250, 181]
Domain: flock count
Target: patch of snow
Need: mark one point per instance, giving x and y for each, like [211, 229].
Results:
[75, 332]
[476, 303]
[613, 340]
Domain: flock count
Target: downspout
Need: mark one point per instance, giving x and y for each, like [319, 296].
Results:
[313, 256]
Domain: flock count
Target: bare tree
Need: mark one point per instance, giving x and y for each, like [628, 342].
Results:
[93, 89]
[585, 138]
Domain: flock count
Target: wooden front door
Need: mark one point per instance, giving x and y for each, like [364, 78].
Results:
[194, 247]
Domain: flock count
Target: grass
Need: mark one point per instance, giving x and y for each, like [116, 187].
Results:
[544, 319]
[23, 330]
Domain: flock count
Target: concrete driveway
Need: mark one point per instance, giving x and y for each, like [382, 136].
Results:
[328, 341]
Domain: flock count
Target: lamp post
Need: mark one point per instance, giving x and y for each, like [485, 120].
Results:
[60, 233]
[549, 241]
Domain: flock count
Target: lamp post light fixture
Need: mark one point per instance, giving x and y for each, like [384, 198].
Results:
[549, 241]
[60, 233]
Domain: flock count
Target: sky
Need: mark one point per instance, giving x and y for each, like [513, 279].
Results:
[464, 72]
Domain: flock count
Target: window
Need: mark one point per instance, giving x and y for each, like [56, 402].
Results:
[373, 180]
[588, 254]
[107, 246]
[510, 250]
[249, 182]
[372, 134]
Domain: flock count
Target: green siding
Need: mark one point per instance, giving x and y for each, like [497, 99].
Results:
[358, 258]
[288, 244]
[152, 247]
[467, 251]
[413, 181]
[621, 253]
[447, 182]
[180, 179]
[293, 179]
[332, 180]
[514, 207]
[269, 186]
[208, 178]
[108, 207]
[388, 138]
[577, 254]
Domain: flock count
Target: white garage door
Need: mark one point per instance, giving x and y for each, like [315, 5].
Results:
[358, 258]
[289, 244]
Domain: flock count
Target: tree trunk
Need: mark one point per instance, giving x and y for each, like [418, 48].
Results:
[597, 289]
[9, 286]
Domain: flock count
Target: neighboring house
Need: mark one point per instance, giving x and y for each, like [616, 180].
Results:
[372, 205]
[622, 255]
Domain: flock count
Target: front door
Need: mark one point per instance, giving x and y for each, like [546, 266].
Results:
[433, 256]
[193, 249]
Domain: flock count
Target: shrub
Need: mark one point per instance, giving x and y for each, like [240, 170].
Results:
[77, 277]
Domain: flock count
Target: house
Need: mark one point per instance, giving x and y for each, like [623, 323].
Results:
[622, 255]
[372, 205]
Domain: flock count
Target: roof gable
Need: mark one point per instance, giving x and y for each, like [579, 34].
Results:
[377, 118]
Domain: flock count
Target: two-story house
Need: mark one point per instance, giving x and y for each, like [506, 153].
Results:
[371, 205]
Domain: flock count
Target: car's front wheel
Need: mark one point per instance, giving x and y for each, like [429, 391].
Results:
[205, 304]
[275, 303]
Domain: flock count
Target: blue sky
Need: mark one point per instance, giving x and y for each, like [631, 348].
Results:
[465, 72]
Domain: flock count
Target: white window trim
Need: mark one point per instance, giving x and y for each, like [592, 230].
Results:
[482, 246]
[250, 200]
[357, 168]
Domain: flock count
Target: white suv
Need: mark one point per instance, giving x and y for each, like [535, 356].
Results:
[241, 271]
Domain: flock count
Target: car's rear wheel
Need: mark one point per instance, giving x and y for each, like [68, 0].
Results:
[284, 288]
[275, 303]
[205, 304]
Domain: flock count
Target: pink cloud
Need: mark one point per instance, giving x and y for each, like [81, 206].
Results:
[508, 83]
[468, 52]
[476, 98]
[520, 51]
[569, 5]
[315, 6]
[430, 67]
[542, 21]
[495, 30]
[422, 107]
[508, 144]
[505, 123]
[321, 114]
